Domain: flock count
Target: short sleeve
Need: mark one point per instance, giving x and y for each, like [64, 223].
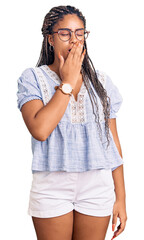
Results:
[28, 88]
[115, 96]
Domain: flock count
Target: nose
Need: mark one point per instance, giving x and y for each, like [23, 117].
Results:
[73, 38]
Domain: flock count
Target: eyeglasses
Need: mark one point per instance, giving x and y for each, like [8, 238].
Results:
[65, 34]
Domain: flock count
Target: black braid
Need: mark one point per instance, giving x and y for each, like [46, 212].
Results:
[88, 70]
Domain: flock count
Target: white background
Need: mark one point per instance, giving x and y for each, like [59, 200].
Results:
[115, 45]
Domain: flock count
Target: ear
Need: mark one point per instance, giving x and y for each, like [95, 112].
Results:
[50, 39]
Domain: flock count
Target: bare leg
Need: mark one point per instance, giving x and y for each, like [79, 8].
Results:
[89, 227]
[55, 228]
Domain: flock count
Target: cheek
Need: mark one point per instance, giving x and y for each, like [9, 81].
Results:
[64, 51]
[61, 49]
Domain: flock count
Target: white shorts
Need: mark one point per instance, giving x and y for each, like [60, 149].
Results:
[56, 193]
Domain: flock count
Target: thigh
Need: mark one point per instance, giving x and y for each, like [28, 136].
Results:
[89, 227]
[55, 228]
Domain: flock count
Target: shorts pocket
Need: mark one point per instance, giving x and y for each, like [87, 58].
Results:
[38, 177]
[106, 177]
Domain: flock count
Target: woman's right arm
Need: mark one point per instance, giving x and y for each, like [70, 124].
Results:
[42, 120]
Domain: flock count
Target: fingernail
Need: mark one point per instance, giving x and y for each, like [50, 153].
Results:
[84, 52]
[113, 227]
[113, 237]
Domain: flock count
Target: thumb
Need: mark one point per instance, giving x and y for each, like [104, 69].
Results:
[114, 221]
[61, 60]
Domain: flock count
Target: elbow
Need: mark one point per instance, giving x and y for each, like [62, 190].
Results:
[38, 131]
[43, 138]
[40, 136]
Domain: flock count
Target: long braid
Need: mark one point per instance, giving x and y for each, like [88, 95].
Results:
[88, 70]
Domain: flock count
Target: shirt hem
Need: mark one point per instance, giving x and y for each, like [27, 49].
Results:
[66, 169]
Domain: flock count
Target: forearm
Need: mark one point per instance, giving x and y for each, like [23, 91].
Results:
[49, 116]
[118, 177]
[118, 173]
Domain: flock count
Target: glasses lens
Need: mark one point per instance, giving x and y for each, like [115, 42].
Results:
[81, 34]
[64, 35]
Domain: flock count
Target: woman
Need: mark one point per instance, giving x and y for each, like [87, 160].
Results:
[77, 162]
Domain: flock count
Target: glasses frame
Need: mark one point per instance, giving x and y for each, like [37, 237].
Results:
[71, 33]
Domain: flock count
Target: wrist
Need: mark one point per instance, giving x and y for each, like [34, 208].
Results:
[65, 87]
[121, 198]
[69, 82]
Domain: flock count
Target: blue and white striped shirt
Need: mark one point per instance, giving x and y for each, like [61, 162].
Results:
[74, 145]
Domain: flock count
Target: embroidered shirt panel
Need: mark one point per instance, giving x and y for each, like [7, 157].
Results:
[77, 108]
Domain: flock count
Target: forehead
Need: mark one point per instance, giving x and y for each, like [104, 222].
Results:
[71, 21]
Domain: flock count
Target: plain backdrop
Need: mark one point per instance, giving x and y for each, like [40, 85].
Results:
[115, 45]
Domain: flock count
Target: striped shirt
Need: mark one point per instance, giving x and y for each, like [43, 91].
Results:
[74, 145]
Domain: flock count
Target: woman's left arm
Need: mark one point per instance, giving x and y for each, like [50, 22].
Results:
[119, 209]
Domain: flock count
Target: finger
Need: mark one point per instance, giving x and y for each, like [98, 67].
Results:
[75, 51]
[114, 221]
[120, 228]
[61, 59]
[82, 56]
[78, 52]
[71, 53]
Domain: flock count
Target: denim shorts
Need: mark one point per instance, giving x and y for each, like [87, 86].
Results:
[56, 193]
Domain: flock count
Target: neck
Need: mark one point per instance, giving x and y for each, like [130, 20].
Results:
[55, 67]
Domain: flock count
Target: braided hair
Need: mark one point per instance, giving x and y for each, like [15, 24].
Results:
[88, 71]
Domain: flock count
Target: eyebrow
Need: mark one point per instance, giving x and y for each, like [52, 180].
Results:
[70, 29]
